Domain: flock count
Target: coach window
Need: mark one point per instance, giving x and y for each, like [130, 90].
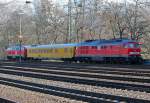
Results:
[131, 45]
[56, 50]
[47, 51]
[37, 51]
[66, 50]
[40, 51]
[50, 50]
[71, 50]
[44, 51]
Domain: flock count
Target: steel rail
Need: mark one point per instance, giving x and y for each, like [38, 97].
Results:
[80, 66]
[136, 67]
[86, 96]
[100, 76]
[101, 83]
[2, 100]
[91, 70]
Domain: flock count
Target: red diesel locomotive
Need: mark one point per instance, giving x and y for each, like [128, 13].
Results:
[117, 50]
[15, 52]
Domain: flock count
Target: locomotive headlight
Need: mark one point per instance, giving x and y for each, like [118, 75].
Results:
[134, 52]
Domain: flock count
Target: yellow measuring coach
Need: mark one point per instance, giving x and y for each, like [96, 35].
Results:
[57, 51]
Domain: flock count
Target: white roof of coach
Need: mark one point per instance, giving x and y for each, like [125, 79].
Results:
[53, 46]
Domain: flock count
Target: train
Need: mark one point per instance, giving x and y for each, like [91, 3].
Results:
[113, 50]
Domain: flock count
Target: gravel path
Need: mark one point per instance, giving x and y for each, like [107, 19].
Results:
[25, 96]
[103, 90]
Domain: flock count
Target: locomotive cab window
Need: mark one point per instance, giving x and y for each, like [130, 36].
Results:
[131, 45]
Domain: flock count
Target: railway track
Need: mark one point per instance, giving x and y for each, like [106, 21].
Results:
[125, 68]
[73, 79]
[78, 75]
[78, 65]
[104, 70]
[63, 73]
[70, 93]
[2, 100]
[98, 70]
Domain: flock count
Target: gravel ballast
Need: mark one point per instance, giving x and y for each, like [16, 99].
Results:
[103, 90]
[25, 96]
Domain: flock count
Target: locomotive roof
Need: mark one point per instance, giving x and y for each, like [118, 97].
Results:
[113, 42]
[17, 47]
